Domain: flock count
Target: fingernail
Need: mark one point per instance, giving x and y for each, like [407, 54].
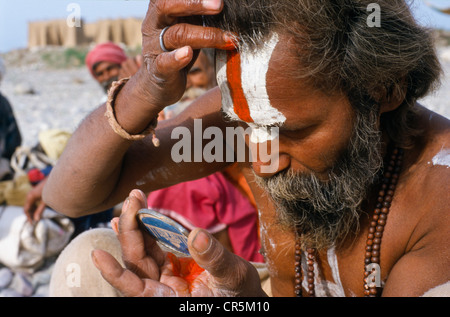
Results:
[212, 4]
[230, 40]
[138, 194]
[181, 53]
[201, 242]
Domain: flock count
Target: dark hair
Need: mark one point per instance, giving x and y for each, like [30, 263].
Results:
[341, 52]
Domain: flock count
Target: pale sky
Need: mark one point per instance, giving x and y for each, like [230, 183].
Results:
[15, 15]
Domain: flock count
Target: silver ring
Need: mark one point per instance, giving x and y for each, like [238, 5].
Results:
[161, 39]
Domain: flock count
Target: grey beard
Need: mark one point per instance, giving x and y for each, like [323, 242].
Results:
[323, 213]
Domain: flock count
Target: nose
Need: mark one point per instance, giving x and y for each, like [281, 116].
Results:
[110, 73]
[104, 76]
[268, 165]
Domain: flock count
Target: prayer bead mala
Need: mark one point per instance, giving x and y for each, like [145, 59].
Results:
[373, 243]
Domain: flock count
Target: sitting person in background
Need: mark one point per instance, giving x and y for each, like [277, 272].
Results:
[108, 62]
[10, 137]
[200, 78]
[104, 62]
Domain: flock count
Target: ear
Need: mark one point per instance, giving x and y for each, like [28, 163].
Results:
[392, 98]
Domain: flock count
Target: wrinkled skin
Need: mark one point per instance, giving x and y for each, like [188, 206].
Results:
[98, 169]
[150, 272]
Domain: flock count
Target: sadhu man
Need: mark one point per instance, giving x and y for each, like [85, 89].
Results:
[353, 200]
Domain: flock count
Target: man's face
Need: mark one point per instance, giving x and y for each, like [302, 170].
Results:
[201, 75]
[106, 73]
[318, 183]
[201, 78]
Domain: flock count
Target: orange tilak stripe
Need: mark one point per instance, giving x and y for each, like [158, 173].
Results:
[235, 85]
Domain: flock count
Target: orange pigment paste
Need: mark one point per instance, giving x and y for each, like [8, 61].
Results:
[235, 85]
[186, 268]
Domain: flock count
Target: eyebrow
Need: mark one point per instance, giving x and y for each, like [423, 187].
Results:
[227, 118]
[107, 69]
[195, 69]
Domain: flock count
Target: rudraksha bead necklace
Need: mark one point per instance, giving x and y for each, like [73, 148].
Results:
[373, 242]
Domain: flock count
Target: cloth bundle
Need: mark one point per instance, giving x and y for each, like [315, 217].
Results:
[25, 246]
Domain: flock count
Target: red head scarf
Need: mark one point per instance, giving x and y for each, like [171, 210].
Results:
[105, 52]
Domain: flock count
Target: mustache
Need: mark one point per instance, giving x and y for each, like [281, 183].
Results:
[107, 83]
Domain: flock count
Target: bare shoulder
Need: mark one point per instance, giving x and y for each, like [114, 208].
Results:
[425, 211]
[428, 168]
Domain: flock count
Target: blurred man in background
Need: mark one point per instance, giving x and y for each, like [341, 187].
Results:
[104, 62]
[10, 137]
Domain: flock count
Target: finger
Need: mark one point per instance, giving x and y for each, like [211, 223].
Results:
[135, 201]
[128, 68]
[123, 280]
[233, 276]
[39, 211]
[166, 69]
[165, 12]
[140, 253]
[28, 209]
[133, 67]
[115, 225]
[129, 233]
[211, 255]
[170, 63]
[128, 283]
[207, 252]
[198, 37]
[32, 199]
[139, 60]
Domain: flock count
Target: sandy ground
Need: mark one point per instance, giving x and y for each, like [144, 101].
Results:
[61, 98]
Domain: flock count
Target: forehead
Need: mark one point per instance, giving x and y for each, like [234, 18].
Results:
[263, 86]
[241, 76]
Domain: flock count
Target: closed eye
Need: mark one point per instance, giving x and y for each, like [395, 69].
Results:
[226, 117]
[298, 133]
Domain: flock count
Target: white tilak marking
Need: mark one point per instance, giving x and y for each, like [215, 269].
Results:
[262, 134]
[254, 67]
[221, 75]
[442, 158]
[264, 239]
[333, 262]
[323, 287]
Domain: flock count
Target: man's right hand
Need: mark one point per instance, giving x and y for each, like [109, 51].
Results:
[166, 72]
[34, 205]
[149, 270]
